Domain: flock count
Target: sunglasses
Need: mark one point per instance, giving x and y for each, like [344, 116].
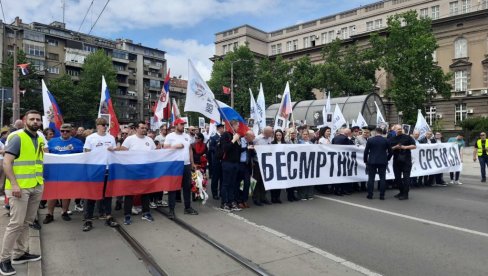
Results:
[65, 131]
[123, 133]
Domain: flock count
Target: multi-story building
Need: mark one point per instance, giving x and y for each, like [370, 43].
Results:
[460, 26]
[54, 50]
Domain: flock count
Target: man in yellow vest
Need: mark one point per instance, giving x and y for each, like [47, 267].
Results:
[23, 168]
[480, 152]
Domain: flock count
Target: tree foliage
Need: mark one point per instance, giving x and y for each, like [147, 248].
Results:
[346, 71]
[66, 94]
[406, 54]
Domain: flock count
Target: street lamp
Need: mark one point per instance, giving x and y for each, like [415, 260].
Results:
[232, 80]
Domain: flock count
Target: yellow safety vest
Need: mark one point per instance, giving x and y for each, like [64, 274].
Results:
[480, 148]
[28, 166]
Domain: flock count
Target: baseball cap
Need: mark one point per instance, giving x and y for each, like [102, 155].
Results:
[66, 126]
[219, 125]
[179, 121]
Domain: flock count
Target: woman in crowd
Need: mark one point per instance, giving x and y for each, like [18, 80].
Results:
[200, 152]
[324, 134]
[279, 138]
[305, 192]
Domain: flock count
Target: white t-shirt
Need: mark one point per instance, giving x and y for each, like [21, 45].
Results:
[261, 140]
[324, 141]
[140, 144]
[173, 139]
[160, 138]
[95, 142]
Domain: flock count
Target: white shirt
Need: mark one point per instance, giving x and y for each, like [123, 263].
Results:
[173, 139]
[95, 142]
[261, 140]
[324, 141]
[160, 138]
[140, 144]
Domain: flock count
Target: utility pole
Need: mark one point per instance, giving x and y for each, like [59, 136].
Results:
[64, 8]
[15, 84]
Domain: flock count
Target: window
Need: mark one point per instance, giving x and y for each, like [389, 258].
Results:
[52, 42]
[352, 30]
[53, 70]
[431, 112]
[461, 112]
[119, 67]
[38, 65]
[34, 50]
[484, 4]
[453, 8]
[34, 36]
[288, 46]
[424, 13]
[369, 26]
[273, 49]
[435, 12]
[331, 36]
[465, 6]
[434, 56]
[89, 48]
[295, 44]
[306, 42]
[460, 48]
[72, 73]
[461, 80]
[52, 56]
[378, 23]
[224, 49]
[154, 84]
[344, 34]
[323, 38]
[119, 54]
[236, 44]
[278, 48]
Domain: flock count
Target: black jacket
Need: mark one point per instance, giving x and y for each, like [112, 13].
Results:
[231, 151]
[424, 140]
[342, 139]
[378, 151]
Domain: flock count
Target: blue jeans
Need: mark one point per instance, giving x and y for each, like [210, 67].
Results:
[229, 181]
[243, 175]
[483, 163]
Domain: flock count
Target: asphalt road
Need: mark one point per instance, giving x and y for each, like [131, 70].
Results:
[439, 231]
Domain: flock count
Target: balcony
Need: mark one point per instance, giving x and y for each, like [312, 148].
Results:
[73, 64]
[126, 61]
[122, 83]
[123, 72]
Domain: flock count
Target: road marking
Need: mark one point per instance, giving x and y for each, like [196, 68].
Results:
[307, 246]
[408, 217]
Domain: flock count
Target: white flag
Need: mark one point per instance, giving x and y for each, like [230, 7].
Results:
[379, 116]
[338, 119]
[354, 124]
[261, 109]
[327, 104]
[325, 113]
[421, 126]
[254, 115]
[199, 97]
[360, 121]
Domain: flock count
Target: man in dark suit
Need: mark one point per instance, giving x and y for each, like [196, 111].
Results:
[427, 139]
[343, 139]
[376, 155]
[215, 162]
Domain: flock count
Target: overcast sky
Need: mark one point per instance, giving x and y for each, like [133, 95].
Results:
[183, 28]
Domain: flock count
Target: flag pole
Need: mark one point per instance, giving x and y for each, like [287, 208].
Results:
[225, 117]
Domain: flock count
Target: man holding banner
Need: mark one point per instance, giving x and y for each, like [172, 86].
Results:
[97, 141]
[180, 140]
[402, 144]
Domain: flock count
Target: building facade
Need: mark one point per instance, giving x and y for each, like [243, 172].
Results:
[460, 26]
[54, 50]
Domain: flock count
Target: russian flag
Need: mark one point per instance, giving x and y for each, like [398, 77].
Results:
[79, 175]
[144, 172]
[107, 108]
[52, 113]
[228, 114]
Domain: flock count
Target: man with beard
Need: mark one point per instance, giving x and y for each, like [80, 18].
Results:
[402, 144]
[23, 168]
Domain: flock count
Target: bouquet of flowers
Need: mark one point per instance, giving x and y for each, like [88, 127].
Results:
[199, 185]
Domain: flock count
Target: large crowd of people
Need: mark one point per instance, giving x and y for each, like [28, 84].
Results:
[227, 158]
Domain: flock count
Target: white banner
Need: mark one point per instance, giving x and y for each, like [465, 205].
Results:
[285, 166]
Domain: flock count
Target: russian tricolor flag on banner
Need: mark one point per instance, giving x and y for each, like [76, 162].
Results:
[52, 113]
[78, 175]
[228, 114]
[135, 173]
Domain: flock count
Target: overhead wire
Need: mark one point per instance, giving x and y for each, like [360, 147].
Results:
[3, 14]
[87, 11]
[93, 26]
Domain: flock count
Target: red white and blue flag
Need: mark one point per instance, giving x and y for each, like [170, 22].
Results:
[228, 114]
[52, 113]
[107, 109]
[84, 180]
[163, 100]
[135, 173]
[175, 112]
[24, 68]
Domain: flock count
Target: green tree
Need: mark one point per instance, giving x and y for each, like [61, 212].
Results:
[243, 62]
[273, 75]
[96, 65]
[406, 54]
[66, 94]
[303, 79]
[346, 70]
[31, 84]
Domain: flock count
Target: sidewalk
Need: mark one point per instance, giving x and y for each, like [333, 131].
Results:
[470, 169]
[32, 268]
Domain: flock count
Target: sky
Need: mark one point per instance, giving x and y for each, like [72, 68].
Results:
[184, 29]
